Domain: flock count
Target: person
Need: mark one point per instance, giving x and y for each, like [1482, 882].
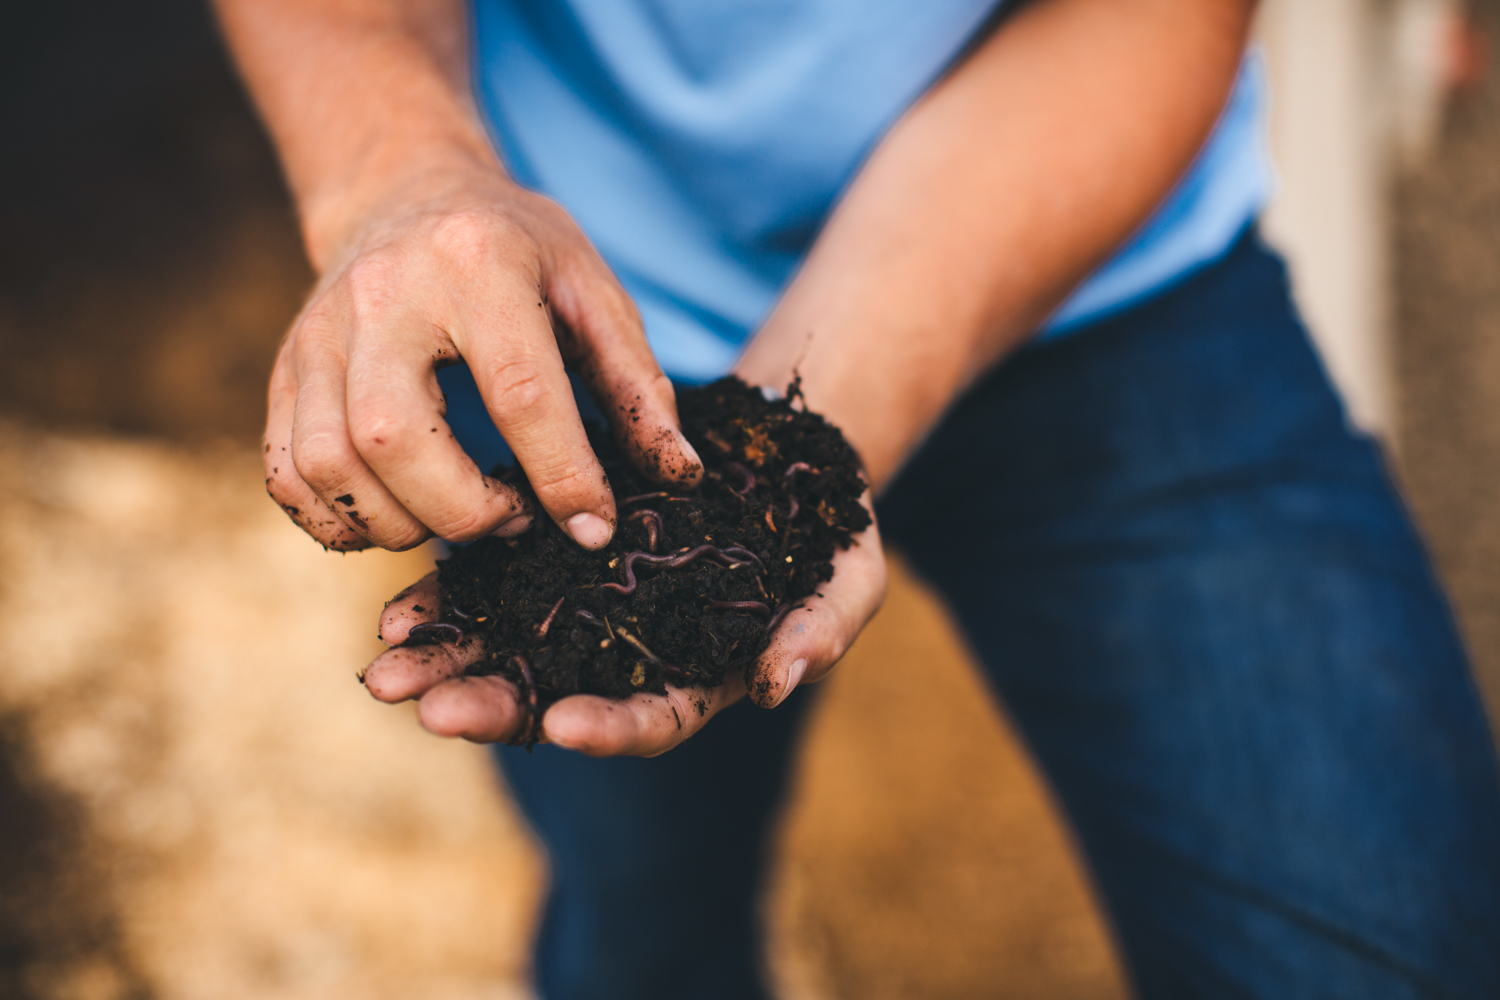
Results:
[1011, 251]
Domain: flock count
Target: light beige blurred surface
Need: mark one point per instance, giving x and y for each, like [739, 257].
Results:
[182, 662]
[184, 666]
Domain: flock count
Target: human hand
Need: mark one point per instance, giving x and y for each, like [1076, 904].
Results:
[455, 264]
[804, 647]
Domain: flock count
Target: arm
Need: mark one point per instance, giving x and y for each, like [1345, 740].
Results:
[1001, 190]
[428, 253]
[997, 194]
[992, 198]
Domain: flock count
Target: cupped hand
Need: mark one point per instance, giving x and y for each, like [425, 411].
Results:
[805, 646]
[357, 450]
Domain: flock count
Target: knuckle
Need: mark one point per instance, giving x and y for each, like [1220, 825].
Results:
[521, 384]
[376, 428]
[474, 237]
[407, 537]
[569, 486]
[466, 525]
[322, 457]
[372, 278]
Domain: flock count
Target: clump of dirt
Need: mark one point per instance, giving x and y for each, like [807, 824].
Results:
[692, 584]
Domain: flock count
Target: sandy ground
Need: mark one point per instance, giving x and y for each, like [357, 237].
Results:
[178, 667]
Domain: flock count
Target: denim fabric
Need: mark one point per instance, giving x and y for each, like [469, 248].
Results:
[1207, 611]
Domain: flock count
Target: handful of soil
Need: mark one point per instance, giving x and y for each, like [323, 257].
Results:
[692, 584]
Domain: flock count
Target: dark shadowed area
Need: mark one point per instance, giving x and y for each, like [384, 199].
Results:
[151, 258]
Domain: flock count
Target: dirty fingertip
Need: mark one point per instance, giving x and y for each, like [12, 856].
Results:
[589, 530]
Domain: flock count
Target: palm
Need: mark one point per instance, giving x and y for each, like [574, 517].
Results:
[491, 709]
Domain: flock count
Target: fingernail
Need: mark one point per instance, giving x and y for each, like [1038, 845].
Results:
[513, 527]
[793, 678]
[589, 530]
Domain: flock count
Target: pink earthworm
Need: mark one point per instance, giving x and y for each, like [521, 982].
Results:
[734, 555]
[644, 496]
[792, 470]
[654, 525]
[541, 630]
[745, 474]
[433, 633]
[524, 666]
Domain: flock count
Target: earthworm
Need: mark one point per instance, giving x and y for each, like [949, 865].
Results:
[433, 633]
[541, 631]
[732, 556]
[454, 608]
[792, 470]
[524, 665]
[745, 474]
[644, 496]
[752, 606]
[781, 613]
[581, 613]
[654, 525]
[532, 719]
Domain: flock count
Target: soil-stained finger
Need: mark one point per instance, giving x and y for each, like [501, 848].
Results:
[820, 631]
[477, 709]
[507, 340]
[643, 725]
[285, 485]
[421, 602]
[603, 339]
[405, 672]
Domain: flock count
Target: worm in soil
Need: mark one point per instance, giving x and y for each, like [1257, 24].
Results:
[541, 631]
[433, 633]
[792, 470]
[732, 556]
[745, 475]
[654, 525]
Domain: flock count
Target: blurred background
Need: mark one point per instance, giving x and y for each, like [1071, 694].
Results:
[198, 800]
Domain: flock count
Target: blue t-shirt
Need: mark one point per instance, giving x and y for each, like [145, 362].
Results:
[701, 143]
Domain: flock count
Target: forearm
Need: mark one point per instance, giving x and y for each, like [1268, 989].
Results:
[997, 193]
[362, 97]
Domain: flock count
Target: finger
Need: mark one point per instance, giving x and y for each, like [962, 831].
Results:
[478, 709]
[421, 602]
[520, 375]
[599, 330]
[405, 672]
[322, 451]
[815, 636]
[643, 725]
[284, 484]
[403, 454]
[500, 325]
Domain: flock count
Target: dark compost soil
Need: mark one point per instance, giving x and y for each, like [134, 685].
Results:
[714, 570]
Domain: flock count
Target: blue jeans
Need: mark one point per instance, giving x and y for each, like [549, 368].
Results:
[1208, 613]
